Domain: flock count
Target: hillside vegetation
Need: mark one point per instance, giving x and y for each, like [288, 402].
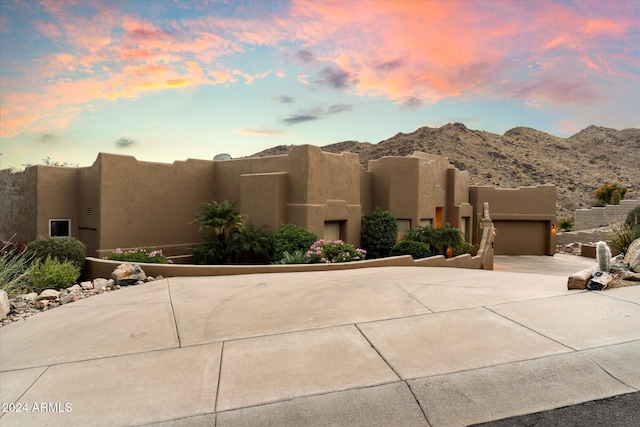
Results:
[523, 156]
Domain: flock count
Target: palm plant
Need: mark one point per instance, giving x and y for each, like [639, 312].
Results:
[448, 237]
[426, 235]
[251, 244]
[221, 219]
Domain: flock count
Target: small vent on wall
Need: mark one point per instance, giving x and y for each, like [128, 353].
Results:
[89, 212]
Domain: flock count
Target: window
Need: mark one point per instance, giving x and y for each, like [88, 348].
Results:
[332, 230]
[426, 222]
[59, 227]
[404, 225]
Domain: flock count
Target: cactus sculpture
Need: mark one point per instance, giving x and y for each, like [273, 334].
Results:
[603, 254]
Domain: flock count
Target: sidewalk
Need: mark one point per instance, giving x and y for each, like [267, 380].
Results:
[390, 346]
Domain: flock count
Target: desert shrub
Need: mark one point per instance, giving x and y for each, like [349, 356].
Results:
[52, 273]
[448, 237]
[466, 248]
[210, 252]
[609, 194]
[332, 251]
[565, 223]
[622, 235]
[144, 255]
[438, 239]
[14, 269]
[61, 248]
[426, 235]
[291, 238]
[250, 245]
[633, 217]
[409, 247]
[379, 233]
[297, 257]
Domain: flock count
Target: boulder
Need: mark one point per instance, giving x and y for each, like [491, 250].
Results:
[601, 280]
[86, 285]
[629, 275]
[580, 279]
[5, 308]
[100, 283]
[632, 257]
[49, 294]
[128, 274]
[71, 297]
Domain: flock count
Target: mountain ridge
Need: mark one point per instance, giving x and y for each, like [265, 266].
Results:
[522, 156]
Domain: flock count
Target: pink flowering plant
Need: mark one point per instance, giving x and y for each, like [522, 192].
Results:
[144, 255]
[330, 251]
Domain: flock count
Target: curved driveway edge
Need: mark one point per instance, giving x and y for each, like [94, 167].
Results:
[379, 346]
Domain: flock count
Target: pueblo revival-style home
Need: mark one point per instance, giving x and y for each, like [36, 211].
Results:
[120, 202]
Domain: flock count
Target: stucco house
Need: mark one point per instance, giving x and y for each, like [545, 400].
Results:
[122, 202]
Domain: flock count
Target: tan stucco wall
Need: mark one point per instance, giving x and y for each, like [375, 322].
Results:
[96, 267]
[413, 187]
[263, 197]
[122, 202]
[18, 205]
[56, 197]
[510, 206]
[151, 204]
[29, 199]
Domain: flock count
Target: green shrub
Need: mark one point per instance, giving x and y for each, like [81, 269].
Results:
[622, 235]
[328, 251]
[426, 235]
[609, 194]
[633, 217]
[379, 233]
[210, 252]
[14, 268]
[61, 248]
[439, 239]
[565, 223]
[297, 257]
[466, 248]
[448, 237]
[250, 245]
[52, 273]
[409, 247]
[144, 255]
[291, 238]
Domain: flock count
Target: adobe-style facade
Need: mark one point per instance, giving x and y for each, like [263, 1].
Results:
[122, 202]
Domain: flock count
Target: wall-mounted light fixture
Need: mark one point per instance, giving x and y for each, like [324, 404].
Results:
[554, 228]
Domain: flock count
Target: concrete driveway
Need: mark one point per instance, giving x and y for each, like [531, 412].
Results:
[389, 346]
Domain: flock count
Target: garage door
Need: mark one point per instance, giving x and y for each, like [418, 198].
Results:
[521, 237]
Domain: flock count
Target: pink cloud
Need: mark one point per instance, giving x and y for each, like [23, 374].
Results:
[412, 52]
[430, 50]
[258, 132]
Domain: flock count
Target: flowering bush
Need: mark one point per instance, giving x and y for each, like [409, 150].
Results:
[12, 248]
[329, 251]
[147, 255]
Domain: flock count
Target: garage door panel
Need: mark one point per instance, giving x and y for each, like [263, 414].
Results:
[521, 237]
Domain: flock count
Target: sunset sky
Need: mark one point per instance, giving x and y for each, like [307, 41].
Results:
[171, 80]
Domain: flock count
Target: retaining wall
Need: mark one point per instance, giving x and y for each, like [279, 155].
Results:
[602, 216]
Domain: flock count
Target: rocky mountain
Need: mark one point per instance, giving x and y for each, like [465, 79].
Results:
[523, 156]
